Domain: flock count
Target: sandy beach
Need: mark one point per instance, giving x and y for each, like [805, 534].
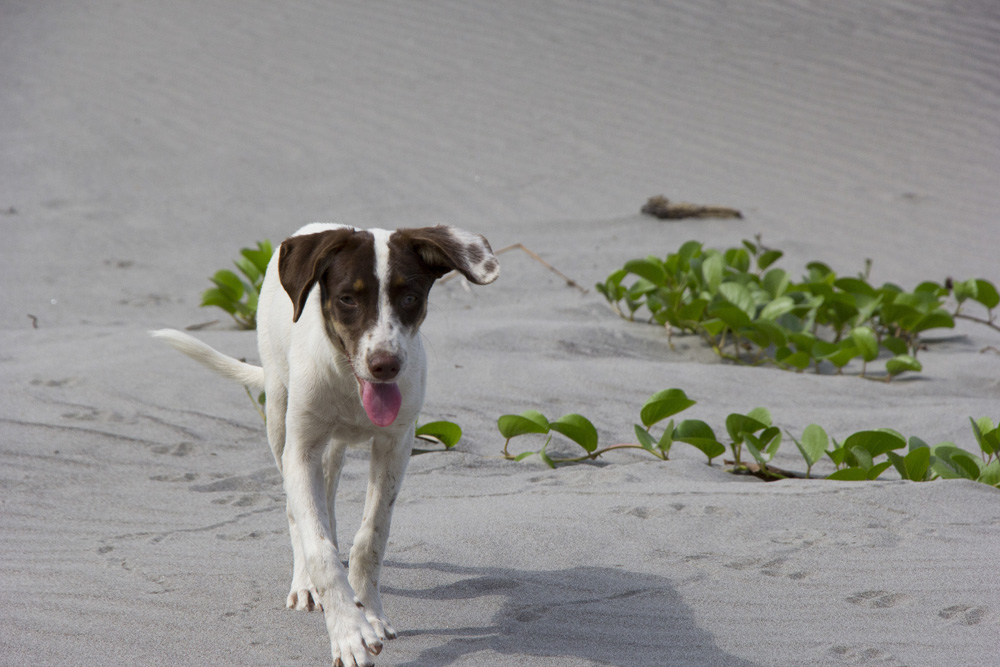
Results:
[141, 515]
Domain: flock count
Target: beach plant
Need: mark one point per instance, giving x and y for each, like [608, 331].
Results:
[238, 296]
[862, 456]
[752, 312]
[581, 431]
[440, 432]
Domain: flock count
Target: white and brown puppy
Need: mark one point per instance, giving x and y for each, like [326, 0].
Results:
[343, 363]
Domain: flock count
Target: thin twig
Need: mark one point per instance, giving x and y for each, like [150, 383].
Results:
[256, 404]
[990, 322]
[202, 325]
[590, 456]
[519, 246]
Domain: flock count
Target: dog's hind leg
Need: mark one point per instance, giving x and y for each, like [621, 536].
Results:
[302, 595]
[276, 407]
[389, 457]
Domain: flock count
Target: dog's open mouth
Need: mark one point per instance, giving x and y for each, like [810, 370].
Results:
[381, 401]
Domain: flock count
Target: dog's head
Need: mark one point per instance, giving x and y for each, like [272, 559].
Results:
[374, 286]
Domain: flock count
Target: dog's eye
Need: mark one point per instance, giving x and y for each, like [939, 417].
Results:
[348, 300]
[410, 300]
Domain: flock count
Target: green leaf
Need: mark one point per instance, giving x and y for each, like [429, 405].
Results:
[664, 404]
[819, 272]
[754, 447]
[951, 462]
[895, 345]
[797, 360]
[700, 435]
[990, 474]
[984, 430]
[992, 439]
[967, 289]
[738, 425]
[768, 257]
[859, 457]
[969, 463]
[667, 439]
[577, 428]
[986, 293]
[764, 447]
[650, 268]
[688, 250]
[942, 463]
[931, 287]
[765, 333]
[712, 269]
[914, 466]
[646, 441]
[229, 284]
[776, 282]
[874, 471]
[546, 458]
[839, 354]
[692, 311]
[248, 269]
[838, 454]
[776, 308]
[738, 259]
[612, 288]
[866, 342]
[732, 317]
[529, 421]
[875, 443]
[259, 257]
[938, 319]
[855, 286]
[762, 415]
[813, 445]
[901, 363]
[215, 297]
[445, 432]
[739, 296]
[252, 297]
[850, 475]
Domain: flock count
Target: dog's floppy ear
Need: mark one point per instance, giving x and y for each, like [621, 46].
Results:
[303, 260]
[446, 248]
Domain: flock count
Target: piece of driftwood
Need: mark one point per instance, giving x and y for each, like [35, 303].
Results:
[663, 208]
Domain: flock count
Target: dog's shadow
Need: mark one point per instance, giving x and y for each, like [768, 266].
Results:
[609, 616]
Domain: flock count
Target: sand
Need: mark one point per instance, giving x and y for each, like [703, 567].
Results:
[142, 519]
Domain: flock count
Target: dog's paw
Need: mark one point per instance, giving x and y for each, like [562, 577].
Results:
[353, 641]
[383, 628]
[303, 599]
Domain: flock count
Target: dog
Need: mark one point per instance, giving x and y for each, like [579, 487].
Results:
[342, 363]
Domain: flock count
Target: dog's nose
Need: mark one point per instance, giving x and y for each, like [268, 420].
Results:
[383, 366]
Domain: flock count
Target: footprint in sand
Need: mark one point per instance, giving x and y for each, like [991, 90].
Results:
[878, 599]
[862, 655]
[964, 614]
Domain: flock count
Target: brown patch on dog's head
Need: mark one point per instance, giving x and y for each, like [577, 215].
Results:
[445, 249]
[326, 257]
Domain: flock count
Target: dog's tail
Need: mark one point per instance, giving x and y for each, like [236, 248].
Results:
[234, 369]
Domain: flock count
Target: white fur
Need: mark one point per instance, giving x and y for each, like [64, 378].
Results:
[313, 413]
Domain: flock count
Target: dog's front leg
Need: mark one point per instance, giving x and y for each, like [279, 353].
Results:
[353, 641]
[389, 456]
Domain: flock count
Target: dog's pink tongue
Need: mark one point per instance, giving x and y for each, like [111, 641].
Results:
[381, 401]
